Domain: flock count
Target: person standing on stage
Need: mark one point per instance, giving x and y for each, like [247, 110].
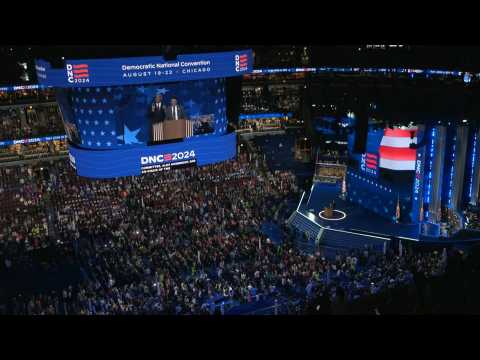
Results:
[175, 111]
[157, 111]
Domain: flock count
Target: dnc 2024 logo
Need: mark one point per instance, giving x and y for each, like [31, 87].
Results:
[183, 155]
[78, 73]
[241, 62]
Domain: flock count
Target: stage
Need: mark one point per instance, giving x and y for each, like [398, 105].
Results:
[350, 217]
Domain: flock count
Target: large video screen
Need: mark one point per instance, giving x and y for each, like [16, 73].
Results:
[125, 116]
[388, 153]
[130, 161]
[395, 152]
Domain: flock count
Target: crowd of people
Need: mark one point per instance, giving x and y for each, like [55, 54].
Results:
[20, 122]
[471, 217]
[275, 99]
[183, 242]
[26, 96]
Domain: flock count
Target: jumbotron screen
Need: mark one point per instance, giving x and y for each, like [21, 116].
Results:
[122, 116]
[387, 152]
[129, 130]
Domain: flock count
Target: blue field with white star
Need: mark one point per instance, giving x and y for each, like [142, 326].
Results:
[119, 116]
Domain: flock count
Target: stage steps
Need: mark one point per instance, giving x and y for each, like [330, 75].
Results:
[305, 227]
[323, 237]
[348, 241]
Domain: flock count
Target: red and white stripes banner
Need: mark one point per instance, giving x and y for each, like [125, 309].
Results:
[395, 152]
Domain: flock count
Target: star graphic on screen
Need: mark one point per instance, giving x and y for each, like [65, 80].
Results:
[100, 111]
[99, 143]
[90, 111]
[97, 89]
[107, 122]
[81, 111]
[162, 91]
[96, 122]
[84, 100]
[84, 132]
[113, 133]
[141, 89]
[109, 143]
[88, 90]
[129, 136]
[92, 133]
[110, 111]
[94, 101]
[102, 133]
[87, 122]
[79, 121]
[89, 143]
[75, 109]
[104, 100]
[190, 103]
[109, 89]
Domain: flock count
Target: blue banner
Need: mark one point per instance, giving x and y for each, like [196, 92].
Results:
[368, 162]
[418, 182]
[427, 72]
[22, 87]
[145, 70]
[32, 140]
[139, 160]
[264, 116]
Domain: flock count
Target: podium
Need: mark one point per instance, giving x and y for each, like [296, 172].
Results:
[328, 212]
[172, 130]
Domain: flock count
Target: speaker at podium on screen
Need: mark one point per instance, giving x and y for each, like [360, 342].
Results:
[176, 124]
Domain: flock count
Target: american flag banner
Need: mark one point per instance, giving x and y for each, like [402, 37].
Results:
[395, 151]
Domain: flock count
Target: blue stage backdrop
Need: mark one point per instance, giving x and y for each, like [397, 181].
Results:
[137, 160]
[118, 116]
[367, 163]
[379, 196]
[378, 189]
